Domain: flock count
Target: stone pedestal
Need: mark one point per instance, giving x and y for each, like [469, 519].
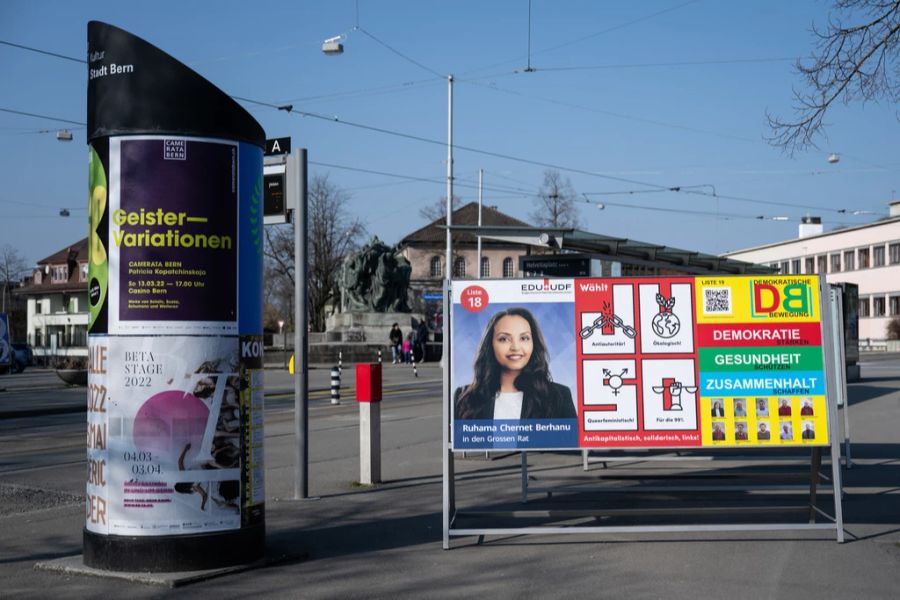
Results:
[368, 327]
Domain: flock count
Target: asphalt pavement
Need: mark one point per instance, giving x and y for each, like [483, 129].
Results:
[384, 541]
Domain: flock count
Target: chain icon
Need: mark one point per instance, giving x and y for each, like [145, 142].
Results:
[602, 321]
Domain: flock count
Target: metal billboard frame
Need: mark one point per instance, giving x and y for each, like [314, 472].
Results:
[835, 521]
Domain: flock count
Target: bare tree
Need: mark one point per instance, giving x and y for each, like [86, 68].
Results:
[856, 58]
[438, 209]
[332, 235]
[555, 202]
[12, 269]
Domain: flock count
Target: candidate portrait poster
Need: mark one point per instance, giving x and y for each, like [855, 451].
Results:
[513, 372]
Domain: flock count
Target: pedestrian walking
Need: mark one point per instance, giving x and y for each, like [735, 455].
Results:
[422, 338]
[396, 340]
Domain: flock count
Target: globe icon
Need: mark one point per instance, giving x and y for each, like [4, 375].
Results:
[666, 324]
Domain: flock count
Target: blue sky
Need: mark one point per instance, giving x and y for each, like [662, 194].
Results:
[628, 116]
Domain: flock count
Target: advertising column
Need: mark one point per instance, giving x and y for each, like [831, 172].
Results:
[175, 437]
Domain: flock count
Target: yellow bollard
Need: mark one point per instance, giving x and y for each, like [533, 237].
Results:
[291, 365]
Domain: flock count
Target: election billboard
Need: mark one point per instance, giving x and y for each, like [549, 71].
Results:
[650, 362]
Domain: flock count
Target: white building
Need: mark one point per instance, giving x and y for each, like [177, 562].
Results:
[57, 305]
[867, 255]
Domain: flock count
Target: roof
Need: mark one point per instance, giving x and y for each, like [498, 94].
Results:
[878, 223]
[616, 249]
[77, 252]
[436, 231]
[61, 257]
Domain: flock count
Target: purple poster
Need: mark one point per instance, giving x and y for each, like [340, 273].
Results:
[173, 234]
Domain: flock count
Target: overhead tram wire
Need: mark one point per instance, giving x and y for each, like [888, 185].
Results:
[688, 63]
[366, 91]
[400, 54]
[37, 116]
[413, 178]
[587, 37]
[46, 52]
[609, 113]
[657, 188]
[721, 215]
[441, 143]
[418, 138]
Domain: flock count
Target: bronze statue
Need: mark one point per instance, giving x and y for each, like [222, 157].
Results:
[375, 279]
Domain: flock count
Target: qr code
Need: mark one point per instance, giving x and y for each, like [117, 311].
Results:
[718, 300]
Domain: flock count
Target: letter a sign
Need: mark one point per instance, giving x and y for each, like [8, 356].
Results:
[278, 146]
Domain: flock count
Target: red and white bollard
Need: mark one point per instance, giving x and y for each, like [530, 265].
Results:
[368, 395]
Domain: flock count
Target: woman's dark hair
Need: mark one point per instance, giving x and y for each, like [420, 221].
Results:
[534, 380]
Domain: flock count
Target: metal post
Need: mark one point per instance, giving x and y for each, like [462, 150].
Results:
[480, 203]
[828, 346]
[524, 477]
[340, 361]
[379, 356]
[449, 221]
[335, 386]
[844, 404]
[297, 185]
[449, 494]
[446, 452]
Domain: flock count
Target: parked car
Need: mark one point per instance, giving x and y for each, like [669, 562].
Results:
[23, 356]
[25, 352]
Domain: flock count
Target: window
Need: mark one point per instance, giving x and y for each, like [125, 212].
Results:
[84, 272]
[508, 270]
[878, 306]
[795, 266]
[810, 263]
[784, 268]
[459, 266]
[435, 267]
[878, 256]
[894, 305]
[894, 252]
[485, 266]
[864, 307]
[848, 260]
[60, 274]
[835, 263]
[38, 307]
[862, 256]
[823, 264]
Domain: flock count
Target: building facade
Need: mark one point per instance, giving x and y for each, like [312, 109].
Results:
[867, 255]
[57, 305]
[425, 249]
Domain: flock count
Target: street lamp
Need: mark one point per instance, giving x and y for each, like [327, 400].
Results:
[331, 46]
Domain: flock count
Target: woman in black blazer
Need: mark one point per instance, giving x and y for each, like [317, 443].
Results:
[510, 366]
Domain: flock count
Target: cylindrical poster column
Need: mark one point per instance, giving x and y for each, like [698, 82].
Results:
[175, 405]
